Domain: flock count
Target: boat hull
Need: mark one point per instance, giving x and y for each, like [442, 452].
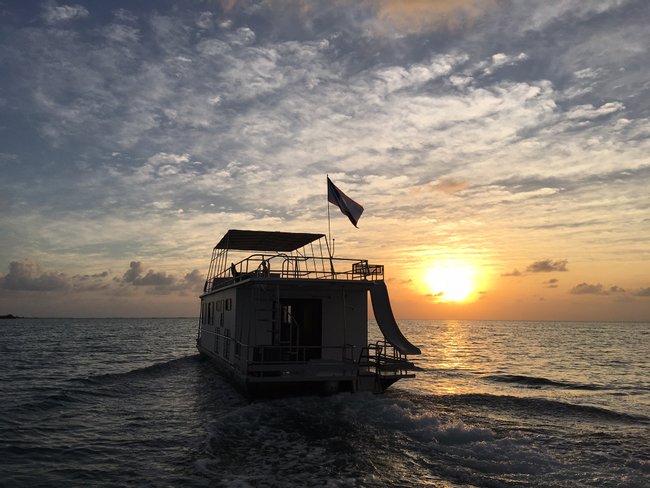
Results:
[280, 385]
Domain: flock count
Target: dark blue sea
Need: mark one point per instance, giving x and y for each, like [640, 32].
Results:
[127, 402]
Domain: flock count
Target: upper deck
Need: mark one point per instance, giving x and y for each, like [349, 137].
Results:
[281, 255]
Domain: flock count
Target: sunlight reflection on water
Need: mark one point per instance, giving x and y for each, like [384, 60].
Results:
[598, 364]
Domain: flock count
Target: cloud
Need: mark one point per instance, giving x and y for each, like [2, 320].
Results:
[420, 15]
[153, 278]
[91, 282]
[53, 13]
[590, 112]
[8, 157]
[160, 282]
[587, 289]
[547, 266]
[597, 289]
[28, 276]
[205, 20]
[501, 59]
[194, 278]
[162, 165]
[435, 296]
[445, 185]
[386, 16]
[644, 292]
[552, 283]
[134, 276]
[515, 272]
[121, 33]
[135, 269]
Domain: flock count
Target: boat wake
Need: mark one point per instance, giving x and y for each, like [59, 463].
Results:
[540, 406]
[151, 370]
[539, 382]
[90, 389]
[289, 439]
[406, 439]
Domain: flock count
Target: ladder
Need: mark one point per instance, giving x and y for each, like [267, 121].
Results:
[266, 302]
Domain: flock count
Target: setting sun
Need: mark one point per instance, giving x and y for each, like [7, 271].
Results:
[450, 283]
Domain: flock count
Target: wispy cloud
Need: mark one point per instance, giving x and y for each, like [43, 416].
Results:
[418, 15]
[53, 13]
[445, 185]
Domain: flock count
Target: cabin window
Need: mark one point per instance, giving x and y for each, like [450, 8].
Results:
[221, 319]
[229, 304]
[219, 305]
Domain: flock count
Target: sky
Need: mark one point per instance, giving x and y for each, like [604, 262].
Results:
[500, 149]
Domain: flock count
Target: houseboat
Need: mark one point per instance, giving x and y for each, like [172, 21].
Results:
[279, 314]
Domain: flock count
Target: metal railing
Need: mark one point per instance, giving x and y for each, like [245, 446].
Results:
[291, 266]
[282, 354]
[383, 359]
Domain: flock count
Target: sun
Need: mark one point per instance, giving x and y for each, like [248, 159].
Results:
[450, 283]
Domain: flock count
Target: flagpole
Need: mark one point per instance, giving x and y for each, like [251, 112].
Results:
[329, 224]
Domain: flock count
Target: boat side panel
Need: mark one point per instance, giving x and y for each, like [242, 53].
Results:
[219, 325]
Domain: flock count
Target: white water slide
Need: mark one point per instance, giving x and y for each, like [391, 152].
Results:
[386, 320]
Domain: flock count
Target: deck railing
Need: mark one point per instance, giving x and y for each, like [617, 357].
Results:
[290, 266]
[380, 359]
[383, 359]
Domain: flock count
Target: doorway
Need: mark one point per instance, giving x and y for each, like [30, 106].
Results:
[301, 328]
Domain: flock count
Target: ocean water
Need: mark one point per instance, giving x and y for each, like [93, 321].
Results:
[126, 402]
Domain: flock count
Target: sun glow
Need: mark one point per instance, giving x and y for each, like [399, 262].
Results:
[450, 283]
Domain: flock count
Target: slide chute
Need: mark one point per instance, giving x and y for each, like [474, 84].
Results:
[386, 320]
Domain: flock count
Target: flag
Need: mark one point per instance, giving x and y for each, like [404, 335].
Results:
[348, 206]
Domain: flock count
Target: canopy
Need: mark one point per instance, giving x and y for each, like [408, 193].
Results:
[257, 240]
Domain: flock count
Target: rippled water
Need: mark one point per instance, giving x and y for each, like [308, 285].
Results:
[126, 402]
